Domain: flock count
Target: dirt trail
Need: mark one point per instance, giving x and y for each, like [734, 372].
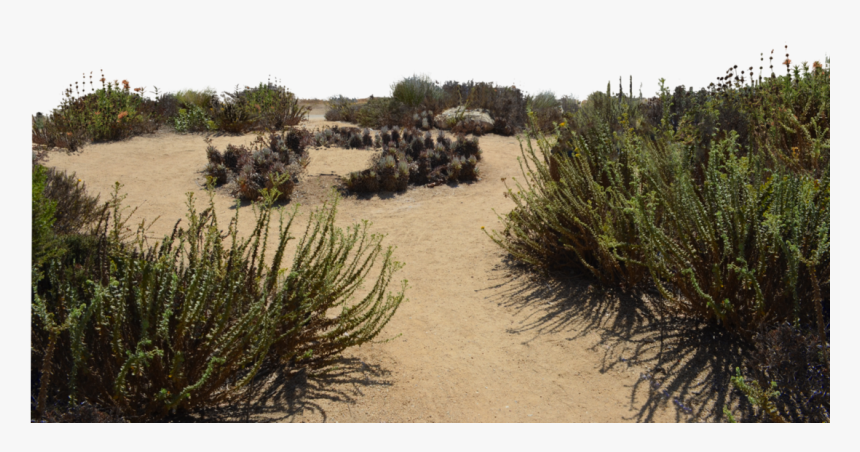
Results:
[479, 342]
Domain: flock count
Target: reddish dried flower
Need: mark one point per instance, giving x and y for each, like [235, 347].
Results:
[816, 65]
[122, 115]
[102, 79]
[786, 62]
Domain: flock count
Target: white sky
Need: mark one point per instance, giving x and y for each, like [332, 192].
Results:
[323, 48]
[359, 48]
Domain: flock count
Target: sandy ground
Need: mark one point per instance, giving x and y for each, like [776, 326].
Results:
[480, 341]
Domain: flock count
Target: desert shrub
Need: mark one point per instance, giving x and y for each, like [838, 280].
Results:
[727, 235]
[569, 104]
[74, 209]
[233, 117]
[267, 107]
[571, 212]
[165, 106]
[273, 162]
[417, 91]
[105, 114]
[44, 240]
[191, 98]
[341, 108]
[505, 104]
[193, 119]
[189, 323]
[410, 156]
[383, 111]
[743, 246]
[546, 108]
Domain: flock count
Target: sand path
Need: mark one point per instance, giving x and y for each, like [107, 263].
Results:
[479, 342]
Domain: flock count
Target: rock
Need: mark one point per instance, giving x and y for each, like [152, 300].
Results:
[452, 116]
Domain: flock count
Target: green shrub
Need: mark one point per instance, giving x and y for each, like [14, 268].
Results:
[742, 246]
[190, 98]
[264, 108]
[726, 234]
[547, 110]
[417, 91]
[382, 111]
[44, 239]
[193, 119]
[189, 323]
[105, 114]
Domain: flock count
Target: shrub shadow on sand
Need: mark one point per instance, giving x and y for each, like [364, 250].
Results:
[683, 364]
[290, 395]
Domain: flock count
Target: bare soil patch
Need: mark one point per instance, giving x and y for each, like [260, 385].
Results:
[480, 340]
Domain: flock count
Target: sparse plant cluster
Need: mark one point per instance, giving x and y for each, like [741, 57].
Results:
[410, 156]
[415, 101]
[115, 111]
[345, 137]
[122, 330]
[275, 162]
[730, 225]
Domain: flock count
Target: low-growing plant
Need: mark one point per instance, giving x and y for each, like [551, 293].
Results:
[409, 156]
[273, 162]
[190, 322]
[345, 137]
[341, 108]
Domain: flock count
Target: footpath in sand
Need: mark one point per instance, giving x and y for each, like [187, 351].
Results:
[479, 340]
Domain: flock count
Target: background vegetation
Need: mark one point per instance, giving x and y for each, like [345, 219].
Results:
[115, 112]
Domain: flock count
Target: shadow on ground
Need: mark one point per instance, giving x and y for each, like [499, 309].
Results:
[283, 396]
[685, 365]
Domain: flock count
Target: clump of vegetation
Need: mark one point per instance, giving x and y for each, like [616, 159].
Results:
[418, 92]
[382, 111]
[730, 226]
[410, 156]
[112, 112]
[342, 108]
[271, 163]
[547, 110]
[505, 104]
[138, 332]
[345, 137]
[416, 100]
[267, 107]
